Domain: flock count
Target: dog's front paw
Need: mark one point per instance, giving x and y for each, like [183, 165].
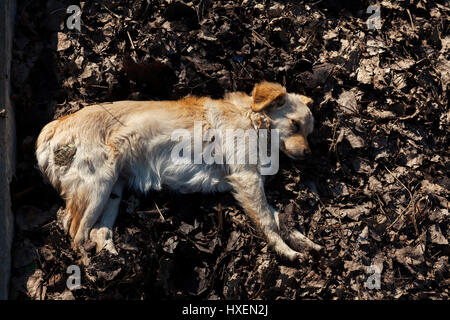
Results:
[285, 252]
[103, 239]
[109, 246]
[300, 257]
[300, 242]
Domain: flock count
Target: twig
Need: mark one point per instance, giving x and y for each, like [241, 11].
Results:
[313, 4]
[333, 139]
[242, 67]
[160, 214]
[409, 204]
[410, 18]
[131, 41]
[260, 38]
[114, 117]
[219, 209]
[381, 204]
[114, 14]
[97, 86]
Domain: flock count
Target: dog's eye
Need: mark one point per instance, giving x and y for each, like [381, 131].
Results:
[295, 125]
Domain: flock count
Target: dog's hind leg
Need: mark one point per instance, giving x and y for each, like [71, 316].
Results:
[86, 206]
[87, 187]
[102, 233]
[249, 192]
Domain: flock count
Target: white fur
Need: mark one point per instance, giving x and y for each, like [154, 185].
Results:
[128, 143]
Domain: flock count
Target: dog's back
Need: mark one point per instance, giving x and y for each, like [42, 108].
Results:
[83, 155]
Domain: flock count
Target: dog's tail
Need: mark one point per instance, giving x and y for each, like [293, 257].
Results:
[44, 153]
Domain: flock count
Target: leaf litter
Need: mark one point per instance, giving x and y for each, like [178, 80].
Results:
[375, 192]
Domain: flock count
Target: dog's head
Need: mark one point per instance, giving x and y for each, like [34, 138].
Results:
[290, 115]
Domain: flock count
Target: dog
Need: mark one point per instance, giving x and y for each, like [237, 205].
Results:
[90, 156]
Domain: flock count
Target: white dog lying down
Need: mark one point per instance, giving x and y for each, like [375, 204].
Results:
[91, 155]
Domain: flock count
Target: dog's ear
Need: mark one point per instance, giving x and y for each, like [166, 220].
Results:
[307, 100]
[266, 94]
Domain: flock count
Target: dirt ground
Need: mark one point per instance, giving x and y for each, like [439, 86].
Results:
[374, 193]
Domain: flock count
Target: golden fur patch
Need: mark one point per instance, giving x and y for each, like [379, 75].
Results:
[265, 94]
